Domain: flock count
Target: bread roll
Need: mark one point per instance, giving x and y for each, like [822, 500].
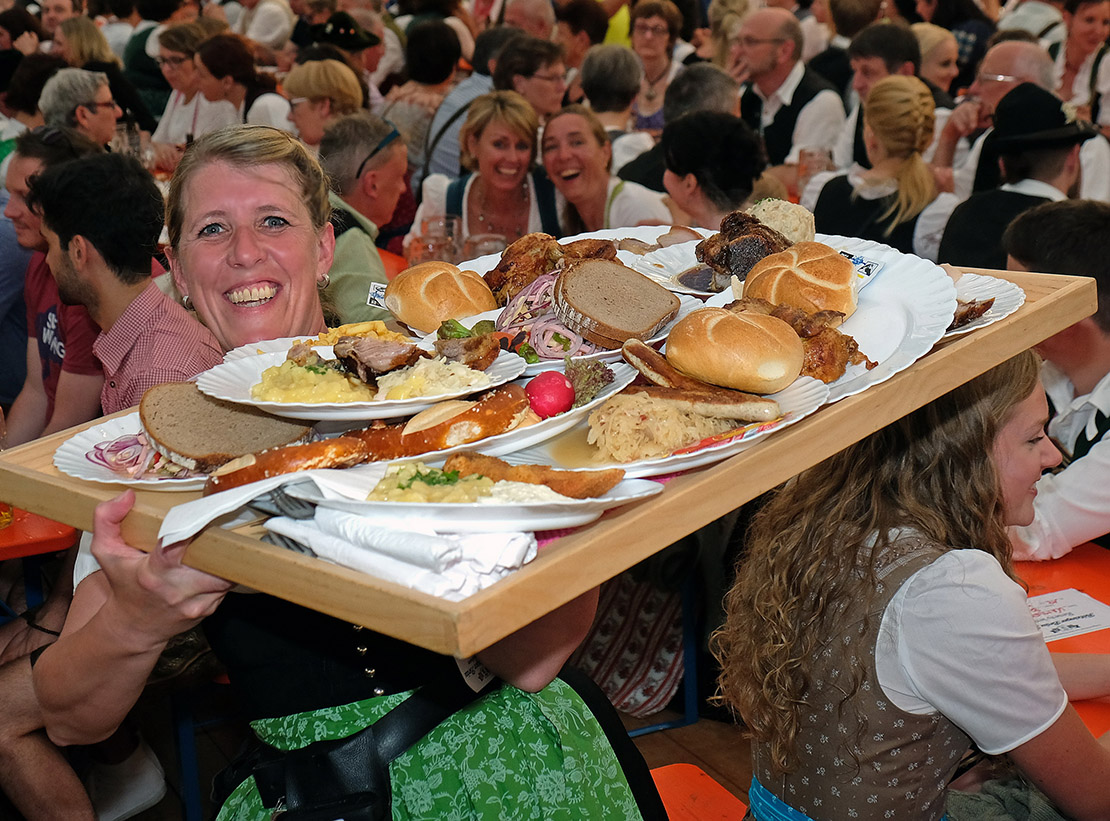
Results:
[746, 352]
[425, 295]
[808, 275]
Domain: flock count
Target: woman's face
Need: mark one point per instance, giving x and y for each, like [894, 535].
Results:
[503, 155]
[939, 65]
[1089, 27]
[651, 38]
[309, 117]
[179, 70]
[926, 9]
[1021, 452]
[61, 46]
[575, 161]
[211, 87]
[544, 90]
[679, 188]
[249, 257]
[5, 39]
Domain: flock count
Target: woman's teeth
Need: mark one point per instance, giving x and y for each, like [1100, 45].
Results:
[255, 295]
[569, 175]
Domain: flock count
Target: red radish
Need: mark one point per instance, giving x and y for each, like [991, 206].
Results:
[550, 394]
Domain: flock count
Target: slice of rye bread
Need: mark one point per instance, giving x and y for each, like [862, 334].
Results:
[202, 433]
[607, 302]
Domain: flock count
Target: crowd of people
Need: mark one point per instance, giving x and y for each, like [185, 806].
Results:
[178, 180]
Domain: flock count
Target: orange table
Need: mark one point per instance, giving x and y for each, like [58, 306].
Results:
[28, 536]
[1087, 569]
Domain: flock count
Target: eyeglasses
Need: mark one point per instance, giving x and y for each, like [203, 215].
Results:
[648, 28]
[94, 105]
[551, 78]
[296, 101]
[173, 62]
[386, 140]
[748, 42]
[996, 78]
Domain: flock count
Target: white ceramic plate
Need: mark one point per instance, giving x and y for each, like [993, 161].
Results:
[491, 518]
[797, 402]
[70, 459]
[1007, 296]
[904, 310]
[687, 304]
[233, 381]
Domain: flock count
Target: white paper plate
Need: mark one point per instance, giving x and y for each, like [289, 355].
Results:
[491, 518]
[644, 233]
[533, 435]
[70, 459]
[687, 305]
[904, 310]
[665, 265]
[281, 345]
[1007, 296]
[233, 381]
[797, 402]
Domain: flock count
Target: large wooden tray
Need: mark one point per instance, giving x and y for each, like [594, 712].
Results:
[584, 559]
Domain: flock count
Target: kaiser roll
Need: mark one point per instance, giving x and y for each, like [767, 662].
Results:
[807, 275]
[746, 352]
[425, 295]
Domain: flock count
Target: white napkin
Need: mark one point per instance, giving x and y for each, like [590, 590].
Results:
[191, 518]
[449, 566]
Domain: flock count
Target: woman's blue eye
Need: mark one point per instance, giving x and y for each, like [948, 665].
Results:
[211, 230]
[275, 222]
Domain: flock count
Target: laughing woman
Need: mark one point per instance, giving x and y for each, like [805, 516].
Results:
[577, 156]
[500, 193]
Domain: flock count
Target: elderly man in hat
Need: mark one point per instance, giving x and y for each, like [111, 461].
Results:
[1036, 139]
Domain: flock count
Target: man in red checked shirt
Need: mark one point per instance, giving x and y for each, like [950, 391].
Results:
[63, 382]
[101, 258]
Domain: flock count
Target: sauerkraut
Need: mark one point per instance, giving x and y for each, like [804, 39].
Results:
[631, 428]
[429, 377]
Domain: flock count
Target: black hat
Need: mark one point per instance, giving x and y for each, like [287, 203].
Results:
[342, 30]
[1029, 117]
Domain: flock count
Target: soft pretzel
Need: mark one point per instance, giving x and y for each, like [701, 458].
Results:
[497, 411]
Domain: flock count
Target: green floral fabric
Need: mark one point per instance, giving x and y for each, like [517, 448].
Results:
[511, 754]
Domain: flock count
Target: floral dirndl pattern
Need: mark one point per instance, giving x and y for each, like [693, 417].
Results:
[510, 754]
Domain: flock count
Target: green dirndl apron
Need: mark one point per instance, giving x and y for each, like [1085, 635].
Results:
[511, 754]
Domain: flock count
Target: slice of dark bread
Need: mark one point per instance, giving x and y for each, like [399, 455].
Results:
[607, 302]
[202, 433]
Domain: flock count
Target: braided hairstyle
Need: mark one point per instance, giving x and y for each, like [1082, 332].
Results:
[901, 114]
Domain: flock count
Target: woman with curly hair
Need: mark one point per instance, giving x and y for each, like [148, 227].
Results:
[896, 200]
[876, 629]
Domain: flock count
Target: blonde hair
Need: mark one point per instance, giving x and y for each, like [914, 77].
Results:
[85, 42]
[901, 114]
[930, 36]
[325, 80]
[814, 547]
[506, 107]
[248, 146]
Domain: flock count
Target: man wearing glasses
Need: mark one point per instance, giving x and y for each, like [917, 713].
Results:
[81, 100]
[365, 161]
[790, 105]
[1003, 68]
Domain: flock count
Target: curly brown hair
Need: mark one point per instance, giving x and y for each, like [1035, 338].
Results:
[813, 548]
